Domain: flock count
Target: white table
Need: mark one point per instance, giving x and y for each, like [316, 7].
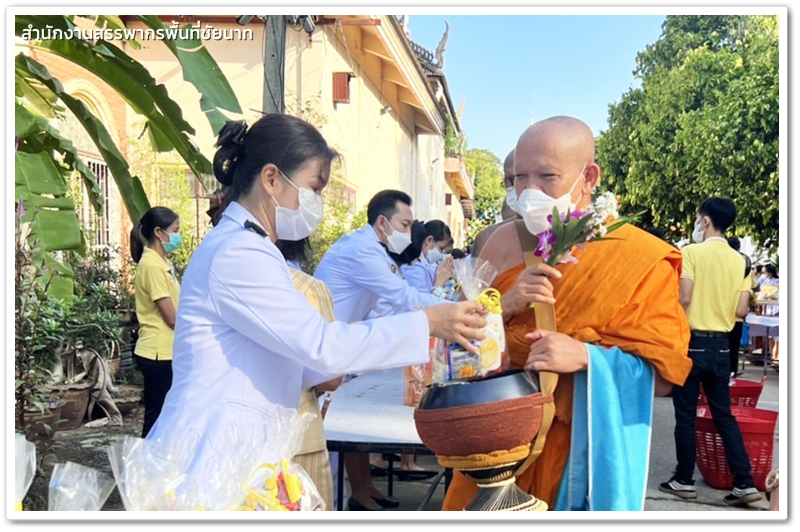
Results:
[766, 327]
[366, 415]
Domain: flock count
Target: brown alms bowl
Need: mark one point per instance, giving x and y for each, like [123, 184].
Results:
[480, 416]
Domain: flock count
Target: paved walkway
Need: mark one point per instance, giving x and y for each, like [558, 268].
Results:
[662, 460]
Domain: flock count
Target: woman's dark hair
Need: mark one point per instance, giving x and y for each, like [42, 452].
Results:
[771, 269]
[296, 250]
[143, 232]
[412, 252]
[283, 140]
[458, 254]
[438, 230]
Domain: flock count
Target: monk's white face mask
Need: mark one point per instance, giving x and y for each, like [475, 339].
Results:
[535, 206]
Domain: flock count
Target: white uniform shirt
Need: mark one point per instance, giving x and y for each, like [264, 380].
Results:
[245, 338]
[358, 272]
[383, 307]
[420, 275]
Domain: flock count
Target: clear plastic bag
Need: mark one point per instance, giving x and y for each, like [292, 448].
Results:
[475, 277]
[77, 488]
[146, 474]
[245, 465]
[279, 484]
[24, 468]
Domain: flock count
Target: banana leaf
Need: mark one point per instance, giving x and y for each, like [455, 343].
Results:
[200, 69]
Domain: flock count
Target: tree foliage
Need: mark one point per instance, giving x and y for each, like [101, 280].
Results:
[486, 169]
[704, 122]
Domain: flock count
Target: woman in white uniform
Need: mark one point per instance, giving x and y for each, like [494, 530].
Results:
[435, 265]
[246, 341]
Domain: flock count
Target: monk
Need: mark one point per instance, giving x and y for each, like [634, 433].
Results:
[617, 313]
[508, 211]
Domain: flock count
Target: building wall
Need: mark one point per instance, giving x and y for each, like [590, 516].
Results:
[374, 132]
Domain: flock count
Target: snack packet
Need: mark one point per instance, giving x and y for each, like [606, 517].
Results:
[475, 277]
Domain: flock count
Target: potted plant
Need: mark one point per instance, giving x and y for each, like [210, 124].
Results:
[39, 328]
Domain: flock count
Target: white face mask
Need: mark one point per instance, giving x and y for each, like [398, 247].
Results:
[535, 206]
[297, 224]
[397, 242]
[698, 235]
[434, 255]
[511, 199]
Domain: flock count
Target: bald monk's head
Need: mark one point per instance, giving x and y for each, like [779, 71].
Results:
[556, 156]
[508, 170]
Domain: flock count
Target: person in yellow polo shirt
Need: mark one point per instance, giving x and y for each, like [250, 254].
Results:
[157, 291]
[713, 292]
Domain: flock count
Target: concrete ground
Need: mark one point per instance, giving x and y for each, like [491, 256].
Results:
[662, 461]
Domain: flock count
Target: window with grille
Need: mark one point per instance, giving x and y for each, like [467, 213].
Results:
[349, 198]
[95, 226]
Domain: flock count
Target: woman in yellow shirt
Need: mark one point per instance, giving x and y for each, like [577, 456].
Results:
[157, 291]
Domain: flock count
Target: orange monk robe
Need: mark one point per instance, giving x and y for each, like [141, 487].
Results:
[622, 293]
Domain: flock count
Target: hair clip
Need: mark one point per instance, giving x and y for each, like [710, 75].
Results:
[232, 132]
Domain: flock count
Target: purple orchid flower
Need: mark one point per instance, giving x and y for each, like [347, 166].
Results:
[20, 209]
[545, 244]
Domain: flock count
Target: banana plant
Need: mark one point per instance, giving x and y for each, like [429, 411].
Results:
[45, 159]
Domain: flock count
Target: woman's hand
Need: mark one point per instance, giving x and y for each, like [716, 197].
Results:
[457, 322]
[444, 271]
[533, 285]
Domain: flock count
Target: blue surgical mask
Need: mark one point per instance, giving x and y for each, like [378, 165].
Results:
[173, 243]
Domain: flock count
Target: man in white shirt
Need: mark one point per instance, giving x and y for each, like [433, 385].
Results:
[359, 271]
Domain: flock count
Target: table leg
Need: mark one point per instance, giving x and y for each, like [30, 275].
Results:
[390, 478]
[431, 489]
[340, 483]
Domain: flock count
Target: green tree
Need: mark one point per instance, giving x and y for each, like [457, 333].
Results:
[486, 169]
[703, 123]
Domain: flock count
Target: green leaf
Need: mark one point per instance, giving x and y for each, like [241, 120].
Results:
[200, 69]
[37, 134]
[136, 85]
[130, 188]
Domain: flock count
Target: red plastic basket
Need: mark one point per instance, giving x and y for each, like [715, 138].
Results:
[743, 393]
[758, 431]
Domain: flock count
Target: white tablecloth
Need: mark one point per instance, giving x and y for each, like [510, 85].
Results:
[763, 325]
[370, 409]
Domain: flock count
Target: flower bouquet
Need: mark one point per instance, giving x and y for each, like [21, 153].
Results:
[573, 229]
[77, 488]
[24, 468]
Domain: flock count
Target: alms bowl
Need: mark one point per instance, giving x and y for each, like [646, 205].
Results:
[480, 416]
